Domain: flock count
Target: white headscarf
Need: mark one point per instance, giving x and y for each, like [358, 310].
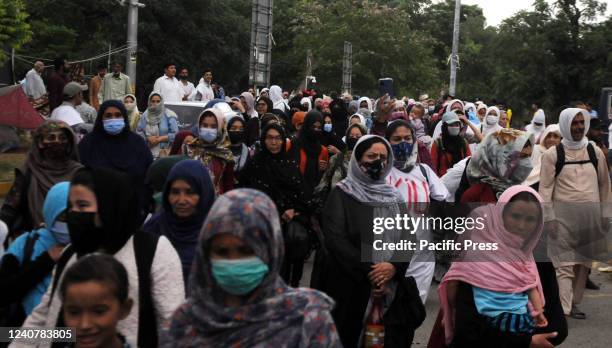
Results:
[488, 129]
[306, 100]
[565, 125]
[538, 117]
[276, 96]
[536, 155]
[367, 100]
[450, 104]
[361, 119]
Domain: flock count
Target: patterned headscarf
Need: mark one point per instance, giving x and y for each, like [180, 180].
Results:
[274, 312]
[497, 160]
[220, 147]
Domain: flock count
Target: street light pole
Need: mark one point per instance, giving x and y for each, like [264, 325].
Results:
[132, 41]
[454, 57]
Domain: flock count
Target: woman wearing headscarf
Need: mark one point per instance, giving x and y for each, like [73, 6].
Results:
[158, 126]
[276, 96]
[329, 138]
[339, 114]
[131, 105]
[52, 158]
[357, 118]
[102, 217]
[298, 120]
[211, 147]
[237, 298]
[274, 171]
[236, 134]
[112, 145]
[503, 159]
[490, 298]
[306, 104]
[365, 103]
[491, 121]
[451, 147]
[187, 197]
[537, 125]
[26, 267]
[481, 112]
[251, 119]
[311, 155]
[264, 105]
[550, 137]
[356, 286]
[419, 186]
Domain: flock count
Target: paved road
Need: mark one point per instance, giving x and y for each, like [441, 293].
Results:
[594, 332]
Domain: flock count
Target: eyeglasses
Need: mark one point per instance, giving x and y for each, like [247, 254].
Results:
[273, 139]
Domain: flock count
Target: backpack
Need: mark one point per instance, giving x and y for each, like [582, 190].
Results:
[145, 245]
[561, 158]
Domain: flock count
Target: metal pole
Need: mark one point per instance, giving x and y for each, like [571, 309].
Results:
[108, 63]
[454, 58]
[132, 41]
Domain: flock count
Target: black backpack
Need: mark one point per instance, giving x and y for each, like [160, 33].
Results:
[145, 245]
[561, 158]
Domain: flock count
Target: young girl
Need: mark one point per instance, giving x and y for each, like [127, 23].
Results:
[496, 295]
[95, 298]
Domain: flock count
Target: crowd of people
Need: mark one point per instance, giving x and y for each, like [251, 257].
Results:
[139, 233]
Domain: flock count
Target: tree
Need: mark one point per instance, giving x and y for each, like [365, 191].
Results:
[14, 30]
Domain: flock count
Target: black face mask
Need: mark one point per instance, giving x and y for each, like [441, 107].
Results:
[183, 77]
[373, 169]
[236, 137]
[351, 142]
[55, 151]
[85, 237]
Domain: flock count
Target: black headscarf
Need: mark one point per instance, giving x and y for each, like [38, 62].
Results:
[117, 206]
[310, 142]
[277, 175]
[125, 152]
[332, 138]
[340, 115]
[455, 145]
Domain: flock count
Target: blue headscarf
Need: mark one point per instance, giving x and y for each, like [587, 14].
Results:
[183, 233]
[55, 204]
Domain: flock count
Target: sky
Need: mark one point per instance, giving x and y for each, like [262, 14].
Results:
[497, 10]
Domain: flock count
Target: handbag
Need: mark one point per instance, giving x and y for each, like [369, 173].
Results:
[297, 241]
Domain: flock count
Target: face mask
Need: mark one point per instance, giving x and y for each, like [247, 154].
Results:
[398, 115]
[402, 151]
[239, 277]
[351, 142]
[373, 169]
[492, 120]
[535, 126]
[130, 106]
[183, 77]
[208, 134]
[85, 236]
[154, 108]
[60, 232]
[454, 131]
[471, 114]
[327, 127]
[431, 109]
[114, 126]
[236, 137]
[54, 151]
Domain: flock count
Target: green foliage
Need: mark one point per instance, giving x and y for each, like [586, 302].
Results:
[14, 30]
[551, 53]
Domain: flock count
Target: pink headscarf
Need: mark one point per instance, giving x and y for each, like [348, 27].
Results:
[513, 270]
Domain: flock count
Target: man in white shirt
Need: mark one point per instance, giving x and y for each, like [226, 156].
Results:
[189, 90]
[67, 112]
[204, 91]
[168, 86]
[34, 85]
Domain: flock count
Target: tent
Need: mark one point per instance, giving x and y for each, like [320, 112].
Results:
[15, 109]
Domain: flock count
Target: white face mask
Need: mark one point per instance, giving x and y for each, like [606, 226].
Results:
[130, 106]
[492, 120]
[454, 131]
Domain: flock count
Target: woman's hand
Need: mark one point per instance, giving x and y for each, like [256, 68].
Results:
[542, 340]
[288, 214]
[153, 140]
[333, 150]
[322, 165]
[379, 292]
[381, 273]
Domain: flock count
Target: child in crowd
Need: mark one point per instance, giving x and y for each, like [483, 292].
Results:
[95, 298]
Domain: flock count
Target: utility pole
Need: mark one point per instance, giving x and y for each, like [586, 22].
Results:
[132, 41]
[347, 68]
[454, 59]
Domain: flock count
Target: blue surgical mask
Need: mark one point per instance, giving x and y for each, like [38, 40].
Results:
[60, 232]
[114, 126]
[208, 134]
[241, 276]
[402, 151]
[327, 127]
